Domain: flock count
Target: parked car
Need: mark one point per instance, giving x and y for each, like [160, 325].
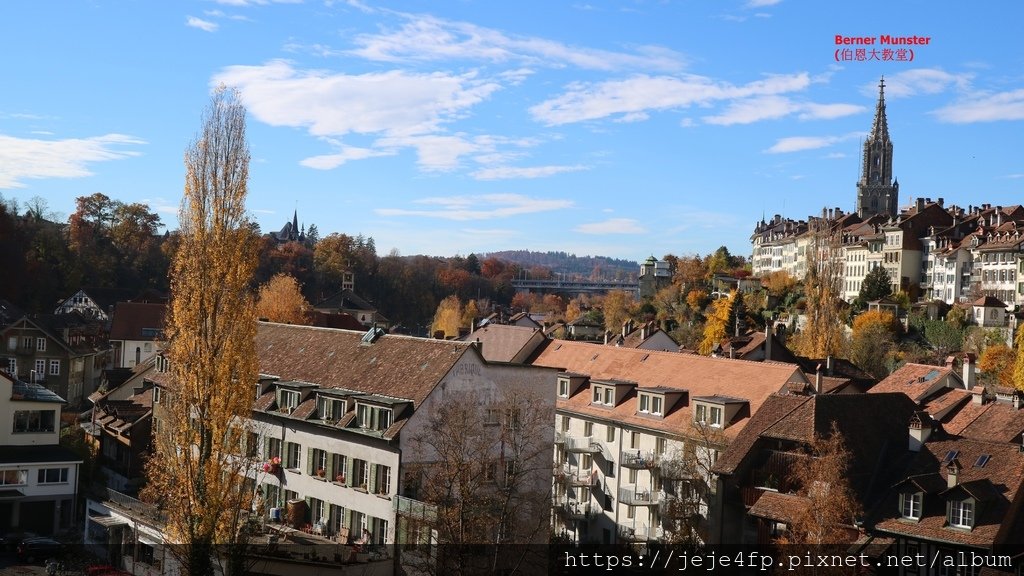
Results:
[32, 549]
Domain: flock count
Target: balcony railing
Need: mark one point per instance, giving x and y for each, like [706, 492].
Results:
[560, 437]
[577, 510]
[639, 533]
[637, 459]
[633, 496]
[581, 445]
[675, 468]
[133, 506]
[415, 509]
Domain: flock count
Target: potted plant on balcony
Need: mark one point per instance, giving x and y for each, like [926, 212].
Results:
[340, 478]
[272, 466]
[320, 472]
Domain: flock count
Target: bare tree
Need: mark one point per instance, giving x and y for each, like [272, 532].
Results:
[487, 469]
[198, 471]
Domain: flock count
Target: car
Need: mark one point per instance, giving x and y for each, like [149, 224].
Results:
[32, 549]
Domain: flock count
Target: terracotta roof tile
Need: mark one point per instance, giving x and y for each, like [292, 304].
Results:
[914, 380]
[780, 507]
[506, 342]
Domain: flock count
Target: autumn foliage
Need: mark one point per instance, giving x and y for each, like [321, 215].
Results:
[281, 300]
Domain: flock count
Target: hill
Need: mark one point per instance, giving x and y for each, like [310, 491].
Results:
[594, 267]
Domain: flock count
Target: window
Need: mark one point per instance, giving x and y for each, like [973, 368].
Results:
[40, 344]
[611, 433]
[382, 479]
[630, 512]
[373, 417]
[659, 446]
[291, 455]
[34, 421]
[13, 477]
[961, 514]
[26, 342]
[340, 470]
[492, 417]
[911, 505]
[656, 402]
[490, 471]
[273, 448]
[565, 423]
[588, 429]
[563, 387]
[634, 439]
[510, 471]
[608, 398]
[52, 476]
[40, 370]
[645, 403]
[597, 395]
[12, 343]
[512, 417]
[252, 444]
[586, 462]
[156, 395]
[288, 401]
[12, 363]
[360, 473]
[632, 475]
[700, 414]
[318, 462]
[716, 416]
[330, 408]
[54, 367]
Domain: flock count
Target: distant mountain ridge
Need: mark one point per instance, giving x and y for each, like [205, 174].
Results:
[584, 266]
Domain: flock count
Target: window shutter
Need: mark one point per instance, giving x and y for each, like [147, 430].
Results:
[371, 483]
[266, 448]
[310, 464]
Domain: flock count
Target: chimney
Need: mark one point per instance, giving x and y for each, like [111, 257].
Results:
[950, 360]
[978, 395]
[606, 334]
[968, 373]
[920, 429]
[941, 202]
[920, 204]
[952, 471]
[817, 380]
[830, 364]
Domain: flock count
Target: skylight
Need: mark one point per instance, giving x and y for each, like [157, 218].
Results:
[950, 456]
[982, 460]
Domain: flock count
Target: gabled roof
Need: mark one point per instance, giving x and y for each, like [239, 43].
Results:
[395, 366]
[914, 380]
[506, 342]
[345, 300]
[989, 302]
[136, 321]
[104, 298]
[786, 508]
[1003, 471]
[30, 392]
[699, 375]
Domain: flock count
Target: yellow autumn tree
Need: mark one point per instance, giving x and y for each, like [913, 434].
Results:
[717, 324]
[616, 306]
[469, 315]
[281, 300]
[198, 473]
[448, 317]
[822, 333]
[996, 364]
[1018, 361]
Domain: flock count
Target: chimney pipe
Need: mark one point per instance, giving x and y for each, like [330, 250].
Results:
[952, 471]
[829, 364]
[817, 380]
[968, 370]
[920, 429]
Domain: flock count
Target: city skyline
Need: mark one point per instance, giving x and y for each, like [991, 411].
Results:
[597, 129]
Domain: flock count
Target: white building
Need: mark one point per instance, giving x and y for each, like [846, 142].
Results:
[38, 476]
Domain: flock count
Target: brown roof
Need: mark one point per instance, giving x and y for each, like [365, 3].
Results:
[989, 302]
[341, 320]
[914, 380]
[699, 375]
[396, 366]
[780, 507]
[130, 318]
[997, 422]
[506, 342]
[774, 408]
[998, 482]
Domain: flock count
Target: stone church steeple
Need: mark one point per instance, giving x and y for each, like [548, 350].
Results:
[877, 192]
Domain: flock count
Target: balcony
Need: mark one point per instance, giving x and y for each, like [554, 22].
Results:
[579, 445]
[560, 437]
[675, 469]
[633, 496]
[577, 478]
[576, 510]
[639, 533]
[411, 508]
[637, 459]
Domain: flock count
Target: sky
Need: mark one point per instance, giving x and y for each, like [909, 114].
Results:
[621, 129]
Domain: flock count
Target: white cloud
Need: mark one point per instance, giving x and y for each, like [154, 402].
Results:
[761, 3]
[508, 172]
[201, 24]
[919, 81]
[800, 143]
[346, 153]
[754, 109]
[395, 103]
[611, 226]
[428, 38]
[23, 159]
[161, 205]
[644, 93]
[984, 107]
[811, 111]
[484, 207]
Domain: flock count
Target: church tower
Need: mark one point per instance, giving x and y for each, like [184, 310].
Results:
[877, 192]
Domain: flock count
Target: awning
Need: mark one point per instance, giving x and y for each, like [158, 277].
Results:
[11, 494]
[107, 521]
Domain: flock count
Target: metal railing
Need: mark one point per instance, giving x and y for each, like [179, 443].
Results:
[637, 459]
[633, 496]
[415, 508]
[133, 506]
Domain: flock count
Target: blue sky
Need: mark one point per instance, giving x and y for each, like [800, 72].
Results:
[621, 129]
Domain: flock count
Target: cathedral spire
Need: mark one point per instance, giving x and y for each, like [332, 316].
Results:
[880, 127]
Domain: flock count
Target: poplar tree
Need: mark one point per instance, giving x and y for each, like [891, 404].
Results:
[199, 469]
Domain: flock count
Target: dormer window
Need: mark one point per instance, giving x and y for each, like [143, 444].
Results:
[373, 417]
[563, 387]
[910, 505]
[710, 415]
[604, 395]
[650, 404]
[330, 408]
[288, 400]
[961, 513]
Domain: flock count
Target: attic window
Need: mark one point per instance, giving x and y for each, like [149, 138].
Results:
[910, 505]
[329, 408]
[961, 513]
[650, 404]
[288, 401]
[604, 395]
[563, 387]
[950, 456]
[982, 460]
[373, 417]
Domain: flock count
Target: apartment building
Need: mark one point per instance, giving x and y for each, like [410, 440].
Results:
[637, 433]
[39, 477]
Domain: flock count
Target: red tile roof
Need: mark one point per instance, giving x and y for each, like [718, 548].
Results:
[914, 380]
[700, 375]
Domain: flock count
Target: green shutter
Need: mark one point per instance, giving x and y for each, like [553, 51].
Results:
[309, 462]
[371, 483]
